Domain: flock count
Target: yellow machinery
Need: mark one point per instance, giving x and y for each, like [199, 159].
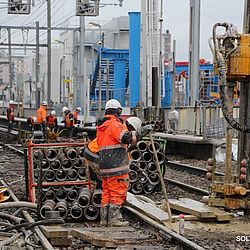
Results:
[232, 63]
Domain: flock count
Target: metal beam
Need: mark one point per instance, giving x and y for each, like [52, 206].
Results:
[22, 44]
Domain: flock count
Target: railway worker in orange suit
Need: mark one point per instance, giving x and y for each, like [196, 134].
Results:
[10, 115]
[112, 140]
[68, 121]
[91, 153]
[41, 116]
[51, 120]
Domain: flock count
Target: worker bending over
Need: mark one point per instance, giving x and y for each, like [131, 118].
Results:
[112, 139]
[10, 115]
[51, 120]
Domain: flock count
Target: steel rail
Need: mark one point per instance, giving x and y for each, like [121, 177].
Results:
[191, 169]
[164, 231]
[186, 186]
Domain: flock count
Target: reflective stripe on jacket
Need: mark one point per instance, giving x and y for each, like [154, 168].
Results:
[113, 158]
[41, 115]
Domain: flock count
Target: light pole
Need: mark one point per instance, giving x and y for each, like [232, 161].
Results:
[100, 73]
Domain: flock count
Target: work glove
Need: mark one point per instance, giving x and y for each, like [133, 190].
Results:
[145, 130]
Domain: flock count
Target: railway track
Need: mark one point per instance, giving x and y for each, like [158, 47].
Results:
[168, 239]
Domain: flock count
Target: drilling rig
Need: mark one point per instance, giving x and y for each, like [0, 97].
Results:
[231, 52]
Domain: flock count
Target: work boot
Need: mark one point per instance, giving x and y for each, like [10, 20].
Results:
[115, 217]
[104, 216]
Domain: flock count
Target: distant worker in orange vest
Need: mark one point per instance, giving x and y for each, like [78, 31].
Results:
[112, 140]
[10, 115]
[68, 121]
[41, 116]
[51, 120]
[75, 115]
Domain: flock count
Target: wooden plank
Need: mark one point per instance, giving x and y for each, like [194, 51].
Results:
[146, 208]
[220, 214]
[59, 242]
[54, 232]
[192, 207]
[110, 238]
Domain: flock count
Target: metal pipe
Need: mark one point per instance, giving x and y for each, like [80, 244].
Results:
[72, 195]
[133, 176]
[48, 205]
[12, 218]
[136, 188]
[81, 173]
[55, 188]
[76, 211]
[133, 166]
[71, 153]
[67, 188]
[55, 165]
[78, 163]
[62, 207]
[50, 154]
[37, 154]
[72, 174]
[84, 197]
[50, 195]
[135, 155]
[81, 152]
[157, 147]
[61, 175]
[66, 163]
[49, 175]
[143, 165]
[142, 146]
[152, 167]
[160, 156]
[146, 156]
[154, 178]
[61, 195]
[96, 198]
[142, 177]
[45, 164]
[91, 213]
[148, 188]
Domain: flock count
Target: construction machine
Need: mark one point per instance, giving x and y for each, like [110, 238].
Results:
[231, 51]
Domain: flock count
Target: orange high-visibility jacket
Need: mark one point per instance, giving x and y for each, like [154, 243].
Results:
[69, 120]
[75, 115]
[113, 157]
[51, 120]
[41, 115]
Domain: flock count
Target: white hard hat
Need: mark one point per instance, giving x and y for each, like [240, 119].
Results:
[79, 109]
[11, 102]
[34, 119]
[44, 103]
[53, 112]
[135, 122]
[64, 109]
[112, 104]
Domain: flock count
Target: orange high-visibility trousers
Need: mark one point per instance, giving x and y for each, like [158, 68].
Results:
[114, 189]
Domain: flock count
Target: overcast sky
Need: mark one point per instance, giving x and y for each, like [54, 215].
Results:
[176, 18]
